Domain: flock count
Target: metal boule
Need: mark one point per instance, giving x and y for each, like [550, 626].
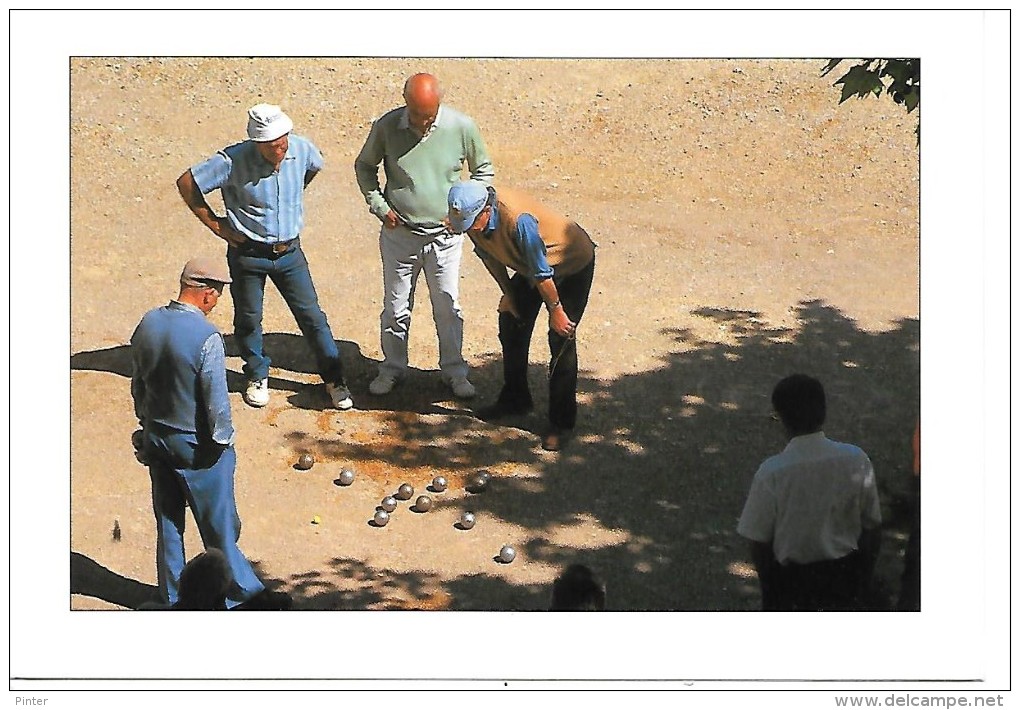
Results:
[346, 477]
[439, 484]
[381, 517]
[405, 491]
[305, 462]
[423, 504]
[467, 520]
[507, 554]
[389, 504]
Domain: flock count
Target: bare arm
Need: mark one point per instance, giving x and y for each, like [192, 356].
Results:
[195, 200]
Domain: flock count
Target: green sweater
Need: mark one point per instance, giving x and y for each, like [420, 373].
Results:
[419, 171]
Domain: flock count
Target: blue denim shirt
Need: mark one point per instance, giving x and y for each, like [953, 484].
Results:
[265, 205]
[162, 362]
[530, 242]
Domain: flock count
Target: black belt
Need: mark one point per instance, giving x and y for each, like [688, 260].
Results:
[268, 251]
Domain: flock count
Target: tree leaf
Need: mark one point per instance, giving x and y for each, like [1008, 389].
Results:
[860, 82]
[833, 63]
[912, 98]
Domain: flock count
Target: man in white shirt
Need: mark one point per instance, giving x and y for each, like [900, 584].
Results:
[812, 514]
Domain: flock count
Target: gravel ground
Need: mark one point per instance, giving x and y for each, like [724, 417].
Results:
[748, 227]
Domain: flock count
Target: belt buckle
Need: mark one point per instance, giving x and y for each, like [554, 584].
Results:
[280, 247]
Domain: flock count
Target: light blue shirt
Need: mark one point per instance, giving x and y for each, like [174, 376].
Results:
[265, 205]
[529, 241]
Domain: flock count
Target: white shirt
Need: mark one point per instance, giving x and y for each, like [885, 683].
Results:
[812, 500]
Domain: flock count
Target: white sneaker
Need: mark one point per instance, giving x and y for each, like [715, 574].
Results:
[383, 384]
[462, 388]
[340, 395]
[257, 394]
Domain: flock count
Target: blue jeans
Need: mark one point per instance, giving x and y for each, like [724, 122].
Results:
[182, 470]
[293, 279]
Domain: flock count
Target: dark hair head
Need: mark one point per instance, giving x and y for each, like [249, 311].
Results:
[799, 400]
[205, 581]
[578, 590]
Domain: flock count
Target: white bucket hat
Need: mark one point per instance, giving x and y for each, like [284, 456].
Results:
[267, 122]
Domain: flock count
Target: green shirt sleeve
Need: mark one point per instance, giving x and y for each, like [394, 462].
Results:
[366, 168]
[478, 160]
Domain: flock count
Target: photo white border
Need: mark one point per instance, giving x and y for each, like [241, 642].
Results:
[961, 634]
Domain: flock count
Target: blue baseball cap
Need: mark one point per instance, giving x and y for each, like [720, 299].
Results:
[466, 201]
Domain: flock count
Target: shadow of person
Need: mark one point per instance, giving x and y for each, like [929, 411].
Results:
[288, 352]
[116, 360]
[91, 579]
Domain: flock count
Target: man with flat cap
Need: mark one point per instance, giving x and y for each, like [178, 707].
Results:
[262, 181]
[553, 260]
[422, 146]
[179, 388]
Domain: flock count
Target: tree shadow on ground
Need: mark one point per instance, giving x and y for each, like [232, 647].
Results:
[660, 465]
[662, 461]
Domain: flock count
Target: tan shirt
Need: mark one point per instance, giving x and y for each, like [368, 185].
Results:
[569, 249]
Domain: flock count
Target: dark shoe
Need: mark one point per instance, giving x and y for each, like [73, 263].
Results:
[501, 410]
[339, 395]
[266, 601]
[555, 439]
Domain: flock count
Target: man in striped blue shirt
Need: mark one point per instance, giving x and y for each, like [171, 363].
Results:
[262, 181]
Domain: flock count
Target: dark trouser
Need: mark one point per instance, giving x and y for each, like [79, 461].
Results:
[249, 267]
[910, 583]
[515, 337]
[828, 585]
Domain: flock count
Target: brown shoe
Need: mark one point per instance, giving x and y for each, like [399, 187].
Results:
[555, 439]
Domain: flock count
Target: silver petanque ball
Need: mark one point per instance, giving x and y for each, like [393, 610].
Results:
[484, 475]
[477, 483]
[389, 504]
[507, 554]
[346, 477]
[467, 520]
[405, 491]
[423, 504]
[439, 484]
[305, 462]
[381, 517]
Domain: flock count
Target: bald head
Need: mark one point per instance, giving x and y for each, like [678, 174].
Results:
[422, 88]
[422, 96]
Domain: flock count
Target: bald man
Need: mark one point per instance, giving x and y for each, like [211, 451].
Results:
[423, 146]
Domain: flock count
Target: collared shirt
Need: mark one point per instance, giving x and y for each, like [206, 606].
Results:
[529, 241]
[212, 380]
[420, 170]
[812, 501]
[265, 205]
